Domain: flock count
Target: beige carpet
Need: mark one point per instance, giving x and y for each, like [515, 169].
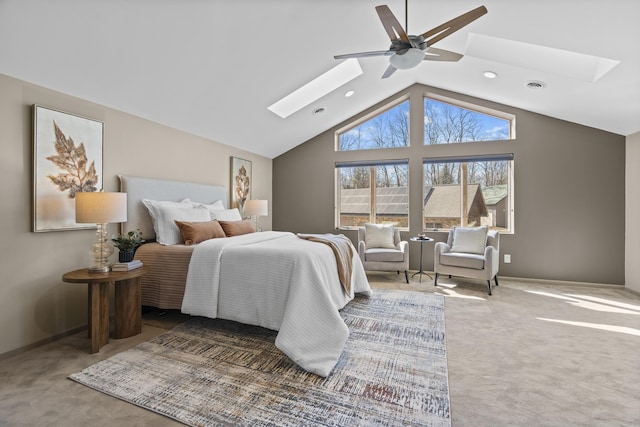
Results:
[507, 367]
[206, 372]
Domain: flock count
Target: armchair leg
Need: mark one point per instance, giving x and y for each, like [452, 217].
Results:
[489, 283]
[406, 276]
[435, 281]
[496, 279]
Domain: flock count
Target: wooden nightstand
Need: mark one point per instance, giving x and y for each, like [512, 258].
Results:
[128, 303]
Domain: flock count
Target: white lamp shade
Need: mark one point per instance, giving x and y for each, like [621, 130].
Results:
[101, 208]
[257, 208]
[409, 59]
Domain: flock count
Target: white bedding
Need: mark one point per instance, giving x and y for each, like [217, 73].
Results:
[278, 281]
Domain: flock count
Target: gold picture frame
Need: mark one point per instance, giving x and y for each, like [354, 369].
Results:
[67, 158]
[241, 183]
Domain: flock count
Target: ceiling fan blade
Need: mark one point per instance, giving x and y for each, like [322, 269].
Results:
[442, 31]
[391, 24]
[390, 70]
[365, 54]
[435, 54]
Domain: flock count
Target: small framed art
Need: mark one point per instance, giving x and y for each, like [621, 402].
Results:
[67, 158]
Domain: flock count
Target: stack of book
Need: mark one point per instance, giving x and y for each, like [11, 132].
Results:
[126, 266]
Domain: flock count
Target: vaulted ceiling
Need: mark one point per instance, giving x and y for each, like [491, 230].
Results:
[212, 67]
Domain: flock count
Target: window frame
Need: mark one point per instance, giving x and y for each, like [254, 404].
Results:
[372, 164]
[510, 214]
[385, 108]
[511, 118]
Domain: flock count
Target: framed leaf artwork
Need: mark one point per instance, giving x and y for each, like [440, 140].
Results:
[240, 183]
[67, 158]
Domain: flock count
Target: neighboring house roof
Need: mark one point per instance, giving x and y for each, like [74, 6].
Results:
[494, 194]
[391, 201]
[443, 201]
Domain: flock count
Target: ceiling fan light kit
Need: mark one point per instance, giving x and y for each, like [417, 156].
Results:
[411, 58]
[407, 51]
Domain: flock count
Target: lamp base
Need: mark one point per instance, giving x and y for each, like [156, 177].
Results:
[101, 250]
[96, 269]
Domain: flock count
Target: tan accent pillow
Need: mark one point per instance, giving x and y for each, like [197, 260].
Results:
[237, 228]
[196, 232]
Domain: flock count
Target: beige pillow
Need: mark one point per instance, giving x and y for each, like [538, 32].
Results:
[196, 232]
[380, 236]
[470, 240]
[237, 228]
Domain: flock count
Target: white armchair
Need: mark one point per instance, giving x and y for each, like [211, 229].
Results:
[389, 257]
[468, 253]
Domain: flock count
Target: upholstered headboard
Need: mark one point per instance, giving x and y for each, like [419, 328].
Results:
[138, 188]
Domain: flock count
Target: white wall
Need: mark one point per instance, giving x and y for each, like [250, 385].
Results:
[35, 304]
[632, 213]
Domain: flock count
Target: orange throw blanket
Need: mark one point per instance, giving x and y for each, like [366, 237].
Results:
[342, 249]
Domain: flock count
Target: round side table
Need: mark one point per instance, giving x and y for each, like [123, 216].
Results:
[421, 240]
[128, 303]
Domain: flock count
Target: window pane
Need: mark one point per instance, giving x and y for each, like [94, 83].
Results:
[373, 193]
[392, 196]
[467, 194]
[355, 196]
[388, 129]
[449, 124]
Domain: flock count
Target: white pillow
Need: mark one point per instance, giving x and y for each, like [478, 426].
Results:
[379, 236]
[226, 215]
[470, 240]
[164, 215]
[215, 206]
[153, 205]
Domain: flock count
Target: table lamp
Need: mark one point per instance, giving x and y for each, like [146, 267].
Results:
[256, 208]
[101, 208]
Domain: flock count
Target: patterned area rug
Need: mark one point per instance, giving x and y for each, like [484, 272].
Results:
[393, 371]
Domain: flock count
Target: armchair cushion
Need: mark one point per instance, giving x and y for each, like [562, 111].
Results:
[380, 236]
[470, 240]
[455, 259]
[384, 255]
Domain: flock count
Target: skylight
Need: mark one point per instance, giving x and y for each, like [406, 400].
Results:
[578, 66]
[317, 88]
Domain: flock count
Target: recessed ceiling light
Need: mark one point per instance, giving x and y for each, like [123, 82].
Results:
[317, 88]
[536, 85]
[349, 93]
[490, 74]
[319, 110]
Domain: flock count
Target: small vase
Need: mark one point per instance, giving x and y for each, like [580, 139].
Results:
[126, 255]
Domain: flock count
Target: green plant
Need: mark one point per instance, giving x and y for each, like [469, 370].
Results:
[129, 241]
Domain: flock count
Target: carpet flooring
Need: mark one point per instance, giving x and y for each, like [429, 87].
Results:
[393, 371]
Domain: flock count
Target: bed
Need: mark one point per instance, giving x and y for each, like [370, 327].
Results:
[272, 279]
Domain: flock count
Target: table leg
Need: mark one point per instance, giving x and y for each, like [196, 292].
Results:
[99, 315]
[421, 260]
[128, 310]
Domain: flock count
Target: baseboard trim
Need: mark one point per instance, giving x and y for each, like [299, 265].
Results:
[563, 282]
[44, 341]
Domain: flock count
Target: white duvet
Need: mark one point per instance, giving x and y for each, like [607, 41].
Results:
[278, 281]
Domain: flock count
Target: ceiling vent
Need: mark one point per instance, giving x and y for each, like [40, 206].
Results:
[536, 85]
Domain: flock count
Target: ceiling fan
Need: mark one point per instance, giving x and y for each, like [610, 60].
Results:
[407, 51]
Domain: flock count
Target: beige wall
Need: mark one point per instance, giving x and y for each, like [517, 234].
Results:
[34, 302]
[569, 192]
[632, 240]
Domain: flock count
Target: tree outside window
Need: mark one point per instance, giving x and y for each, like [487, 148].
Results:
[450, 124]
[388, 129]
